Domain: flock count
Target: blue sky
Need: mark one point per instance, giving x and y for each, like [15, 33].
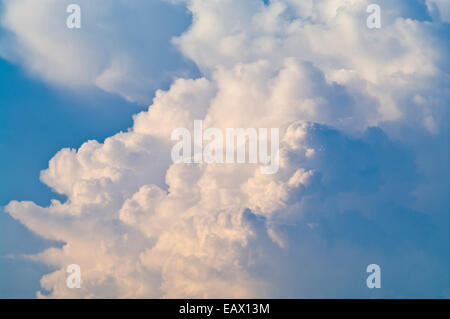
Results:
[365, 139]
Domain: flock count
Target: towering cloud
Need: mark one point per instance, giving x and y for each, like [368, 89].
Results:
[363, 161]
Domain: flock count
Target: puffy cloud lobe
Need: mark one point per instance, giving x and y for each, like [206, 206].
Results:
[329, 34]
[356, 109]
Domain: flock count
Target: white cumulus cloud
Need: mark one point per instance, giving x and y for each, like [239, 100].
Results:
[355, 108]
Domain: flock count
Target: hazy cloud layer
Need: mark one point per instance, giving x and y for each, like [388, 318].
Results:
[123, 47]
[363, 118]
